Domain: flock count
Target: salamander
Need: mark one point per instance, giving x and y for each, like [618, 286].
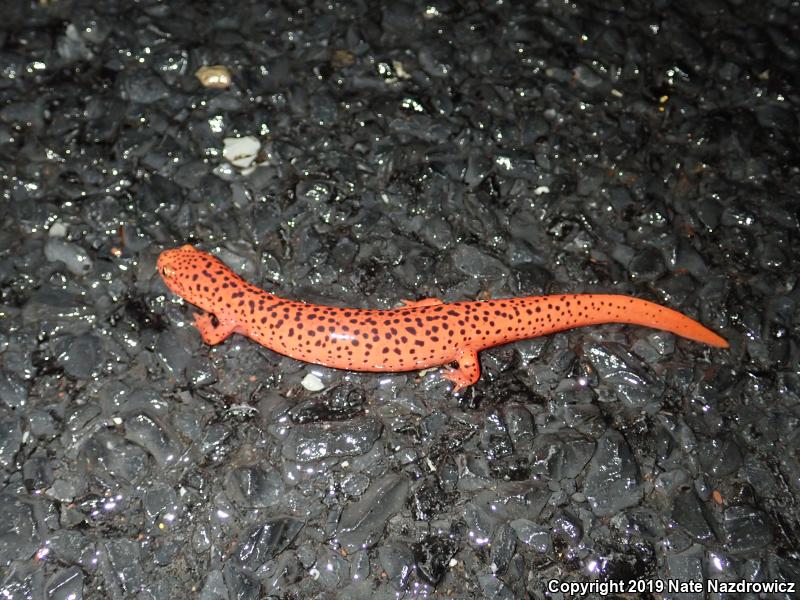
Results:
[420, 334]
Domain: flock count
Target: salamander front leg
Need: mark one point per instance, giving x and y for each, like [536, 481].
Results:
[468, 371]
[212, 330]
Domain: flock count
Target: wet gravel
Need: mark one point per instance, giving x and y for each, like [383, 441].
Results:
[364, 153]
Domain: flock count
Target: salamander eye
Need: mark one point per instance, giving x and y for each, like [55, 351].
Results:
[166, 272]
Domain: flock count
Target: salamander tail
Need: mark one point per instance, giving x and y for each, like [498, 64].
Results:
[595, 309]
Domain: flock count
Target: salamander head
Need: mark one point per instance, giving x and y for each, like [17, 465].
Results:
[191, 274]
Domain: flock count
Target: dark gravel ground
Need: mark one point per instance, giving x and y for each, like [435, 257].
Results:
[453, 149]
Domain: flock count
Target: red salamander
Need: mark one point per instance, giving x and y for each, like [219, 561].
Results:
[418, 335]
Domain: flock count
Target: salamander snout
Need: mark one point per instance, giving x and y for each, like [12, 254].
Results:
[165, 264]
[174, 264]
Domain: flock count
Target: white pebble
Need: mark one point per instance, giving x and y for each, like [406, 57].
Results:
[57, 230]
[312, 383]
[241, 152]
[73, 256]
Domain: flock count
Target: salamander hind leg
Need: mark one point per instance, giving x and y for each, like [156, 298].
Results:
[466, 373]
[212, 330]
[421, 302]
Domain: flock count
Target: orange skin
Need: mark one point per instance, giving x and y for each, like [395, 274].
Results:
[421, 334]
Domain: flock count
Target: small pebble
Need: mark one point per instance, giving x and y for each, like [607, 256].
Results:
[241, 152]
[312, 383]
[214, 76]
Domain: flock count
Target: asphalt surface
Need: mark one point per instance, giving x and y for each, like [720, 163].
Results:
[364, 153]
